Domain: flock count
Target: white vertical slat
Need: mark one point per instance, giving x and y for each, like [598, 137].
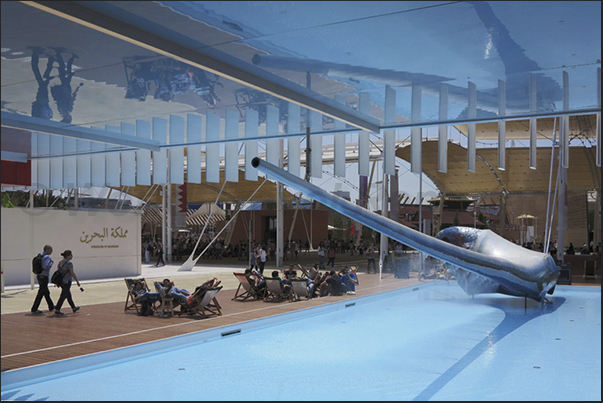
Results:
[43, 165]
[564, 135]
[339, 144]
[364, 106]
[316, 143]
[231, 160]
[293, 143]
[502, 125]
[69, 163]
[128, 158]
[599, 117]
[112, 163]
[533, 121]
[443, 130]
[143, 157]
[272, 130]
[251, 146]
[416, 137]
[56, 164]
[176, 153]
[471, 114]
[212, 165]
[160, 157]
[34, 161]
[389, 136]
[97, 163]
[194, 123]
[84, 178]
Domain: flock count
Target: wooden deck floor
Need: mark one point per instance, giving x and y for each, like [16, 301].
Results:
[31, 339]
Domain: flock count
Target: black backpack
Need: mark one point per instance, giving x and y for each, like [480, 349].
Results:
[57, 276]
[36, 264]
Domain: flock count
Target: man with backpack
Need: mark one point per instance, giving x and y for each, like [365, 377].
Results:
[42, 269]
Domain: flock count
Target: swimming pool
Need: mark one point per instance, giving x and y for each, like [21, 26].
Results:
[429, 342]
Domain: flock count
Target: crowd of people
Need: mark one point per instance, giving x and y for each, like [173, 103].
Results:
[318, 284]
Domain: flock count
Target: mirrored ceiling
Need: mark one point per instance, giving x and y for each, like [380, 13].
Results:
[98, 63]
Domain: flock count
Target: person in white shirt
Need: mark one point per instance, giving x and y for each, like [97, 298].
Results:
[262, 258]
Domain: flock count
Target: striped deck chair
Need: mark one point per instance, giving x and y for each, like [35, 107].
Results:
[275, 291]
[300, 288]
[207, 306]
[304, 272]
[246, 289]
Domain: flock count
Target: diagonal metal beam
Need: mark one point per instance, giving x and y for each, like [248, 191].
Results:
[275, 85]
[17, 121]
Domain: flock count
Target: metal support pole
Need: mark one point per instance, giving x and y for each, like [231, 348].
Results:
[279, 213]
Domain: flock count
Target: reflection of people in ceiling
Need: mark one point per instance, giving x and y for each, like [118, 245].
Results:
[169, 78]
[40, 108]
[62, 92]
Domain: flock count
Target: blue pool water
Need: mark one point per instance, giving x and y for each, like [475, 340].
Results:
[430, 342]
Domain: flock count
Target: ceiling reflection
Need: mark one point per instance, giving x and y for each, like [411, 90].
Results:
[56, 69]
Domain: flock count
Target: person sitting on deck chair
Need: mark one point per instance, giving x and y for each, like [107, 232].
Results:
[256, 279]
[349, 280]
[195, 298]
[145, 298]
[179, 294]
[285, 283]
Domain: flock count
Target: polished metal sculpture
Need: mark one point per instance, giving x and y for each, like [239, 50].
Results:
[482, 261]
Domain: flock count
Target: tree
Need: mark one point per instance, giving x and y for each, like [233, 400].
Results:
[455, 221]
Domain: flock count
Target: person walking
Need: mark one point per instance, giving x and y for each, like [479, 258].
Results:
[331, 255]
[66, 266]
[253, 258]
[321, 255]
[370, 259]
[262, 258]
[159, 250]
[43, 291]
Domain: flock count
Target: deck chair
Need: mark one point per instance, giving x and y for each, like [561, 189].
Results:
[304, 272]
[208, 306]
[275, 291]
[246, 289]
[300, 288]
[130, 303]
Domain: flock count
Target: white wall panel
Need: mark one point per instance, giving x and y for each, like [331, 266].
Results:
[231, 159]
[339, 144]
[84, 178]
[56, 164]
[212, 173]
[251, 146]
[43, 164]
[69, 163]
[316, 143]
[112, 163]
[143, 157]
[389, 136]
[502, 125]
[416, 137]
[160, 157]
[97, 163]
[471, 114]
[533, 121]
[193, 153]
[272, 130]
[293, 143]
[128, 158]
[443, 130]
[176, 153]
[364, 106]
